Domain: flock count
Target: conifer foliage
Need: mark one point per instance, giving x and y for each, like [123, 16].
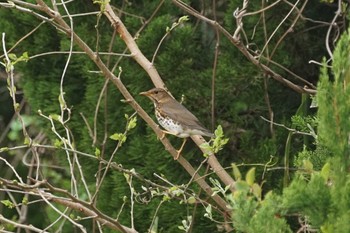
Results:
[79, 148]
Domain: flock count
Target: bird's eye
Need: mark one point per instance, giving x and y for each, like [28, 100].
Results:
[156, 92]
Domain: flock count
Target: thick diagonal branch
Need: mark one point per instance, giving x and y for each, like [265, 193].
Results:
[142, 60]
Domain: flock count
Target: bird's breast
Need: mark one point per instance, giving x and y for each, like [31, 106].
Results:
[170, 125]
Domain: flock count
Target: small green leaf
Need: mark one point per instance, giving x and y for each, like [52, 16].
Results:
[26, 140]
[12, 56]
[205, 146]
[97, 152]
[208, 211]
[250, 176]
[25, 201]
[58, 143]
[131, 123]
[16, 107]
[191, 200]
[218, 132]
[25, 56]
[118, 137]
[16, 125]
[242, 186]
[61, 99]
[256, 189]
[236, 173]
[183, 18]
[127, 177]
[55, 117]
[4, 149]
[8, 204]
[166, 197]
[325, 171]
[219, 140]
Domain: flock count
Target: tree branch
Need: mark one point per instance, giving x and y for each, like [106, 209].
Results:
[238, 43]
[152, 72]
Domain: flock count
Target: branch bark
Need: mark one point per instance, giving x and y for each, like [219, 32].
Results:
[235, 40]
[71, 202]
[149, 68]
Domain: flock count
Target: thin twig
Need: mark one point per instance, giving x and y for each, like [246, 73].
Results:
[287, 128]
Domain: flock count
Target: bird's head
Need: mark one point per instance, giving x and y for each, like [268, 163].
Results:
[157, 95]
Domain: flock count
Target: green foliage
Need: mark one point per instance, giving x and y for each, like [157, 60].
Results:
[322, 196]
[8, 204]
[311, 198]
[185, 61]
[334, 130]
[251, 213]
[215, 144]
[317, 157]
[304, 123]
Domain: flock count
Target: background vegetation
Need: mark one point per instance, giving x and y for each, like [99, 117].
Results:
[79, 153]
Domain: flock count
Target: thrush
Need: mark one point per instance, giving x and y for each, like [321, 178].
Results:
[174, 117]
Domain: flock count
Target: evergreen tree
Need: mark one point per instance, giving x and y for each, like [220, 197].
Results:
[185, 61]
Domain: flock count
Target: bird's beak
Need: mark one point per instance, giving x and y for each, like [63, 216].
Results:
[145, 93]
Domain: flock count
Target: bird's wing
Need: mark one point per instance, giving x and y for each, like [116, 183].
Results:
[184, 116]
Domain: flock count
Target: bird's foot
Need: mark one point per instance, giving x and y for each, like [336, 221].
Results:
[164, 132]
[178, 152]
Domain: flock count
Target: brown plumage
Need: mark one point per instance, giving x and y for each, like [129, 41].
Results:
[174, 117]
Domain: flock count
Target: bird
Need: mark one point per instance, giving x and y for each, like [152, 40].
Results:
[174, 117]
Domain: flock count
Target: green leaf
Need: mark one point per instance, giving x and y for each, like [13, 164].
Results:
[191, 200]
[183, 19]
[127, 177]
[256, 189]
[325, 171]
[4, 149]
[16, 107]
[236, 173]
[205, 146]
[166, 197]
[25, 201]
[118, 137]
[61, 99]
[242, 186]
[58, 143]
[219, 140]
[16, 125]
[8, 204]
[208, 211]
[55, 117]
[97, 152]
[25, 56]
[26, 140]
[219, 132]
[131, 123]
[250, 176]
[12, 56]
